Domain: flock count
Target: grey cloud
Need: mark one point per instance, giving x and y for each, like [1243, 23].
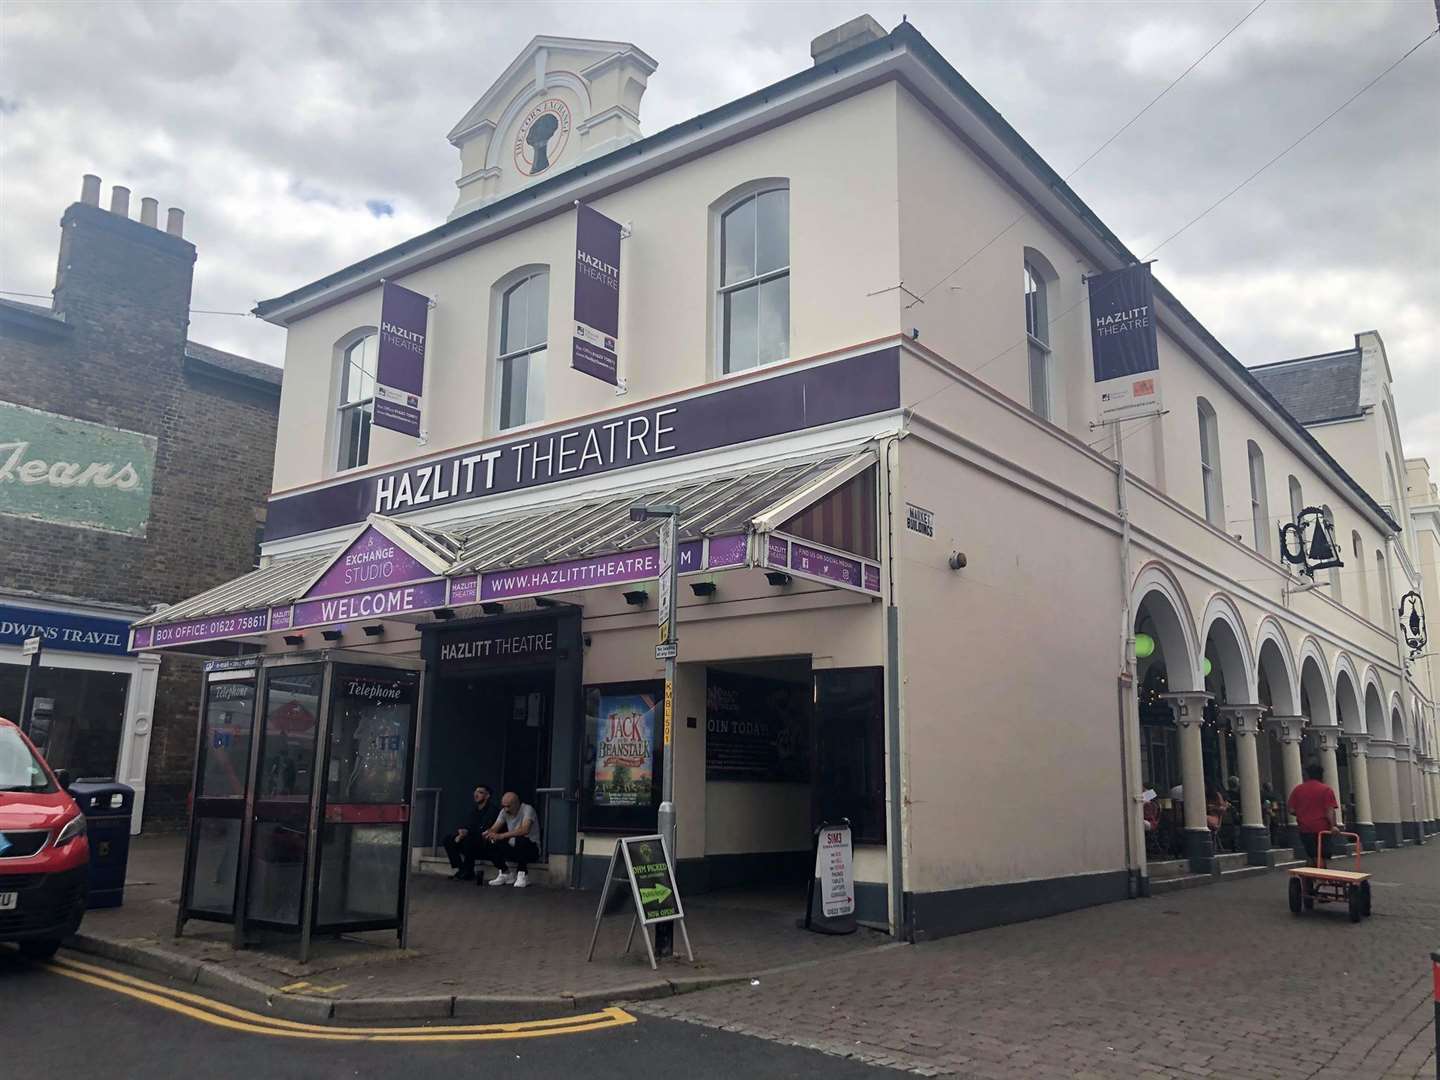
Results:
[243, 113]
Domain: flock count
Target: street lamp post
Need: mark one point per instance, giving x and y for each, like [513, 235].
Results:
[666, 649]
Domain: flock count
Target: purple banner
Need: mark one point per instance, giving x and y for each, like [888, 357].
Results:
[378, 604]
[464, 590]
[597, 295]
[823, 564]
[777, 552]
[726, 551]
[280, 618]
[141, 639]
[798, 401]
[592, 573]
[208, 628]
[872, 578]
[400, 361]
[372, 561]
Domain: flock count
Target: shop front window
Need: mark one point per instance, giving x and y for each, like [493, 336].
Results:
[77, 717]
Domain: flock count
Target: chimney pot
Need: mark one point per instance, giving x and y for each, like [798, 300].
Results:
[90, 190]
[120, 200]
[175, 221]
[150, 212]
[859, 31]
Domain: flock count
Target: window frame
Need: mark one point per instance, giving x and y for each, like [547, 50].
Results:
[721, 291]
[1211, 482]
[503, 291]
[364, 406]
[1038, 351]
[1337, 591]
[1259, 497]
[1357, 548]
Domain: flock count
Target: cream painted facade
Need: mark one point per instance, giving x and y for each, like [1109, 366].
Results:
[1012, 731]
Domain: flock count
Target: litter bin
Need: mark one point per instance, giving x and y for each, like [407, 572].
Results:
[106, 806]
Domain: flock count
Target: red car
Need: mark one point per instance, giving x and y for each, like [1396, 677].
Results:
[44, 854]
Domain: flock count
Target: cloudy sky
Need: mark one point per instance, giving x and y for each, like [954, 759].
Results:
[301, 137]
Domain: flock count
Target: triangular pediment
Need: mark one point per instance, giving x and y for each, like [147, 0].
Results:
[379, 555]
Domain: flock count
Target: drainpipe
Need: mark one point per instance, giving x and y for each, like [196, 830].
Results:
[1136, 871]
[1401, 659]
[899, 923]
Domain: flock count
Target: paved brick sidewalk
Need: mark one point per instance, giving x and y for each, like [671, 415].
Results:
[467, 940]
[1220, 981]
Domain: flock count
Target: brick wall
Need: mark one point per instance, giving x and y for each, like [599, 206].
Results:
[123, 289]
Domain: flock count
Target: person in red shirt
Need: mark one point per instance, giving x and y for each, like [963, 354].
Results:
[1314, 805]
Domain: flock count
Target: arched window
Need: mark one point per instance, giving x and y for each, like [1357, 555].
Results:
[1336, 592]
[1358, 550]
[356, 408]
[1297, 499]
[1259, 500]
[1037, 334]
[1392, 498]
[752, 300]
[1388, 622]
[1210, 464]
[524, 335]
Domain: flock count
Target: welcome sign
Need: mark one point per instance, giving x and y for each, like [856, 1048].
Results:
[73, 472]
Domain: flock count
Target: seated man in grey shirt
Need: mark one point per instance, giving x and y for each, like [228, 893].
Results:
[515, 837]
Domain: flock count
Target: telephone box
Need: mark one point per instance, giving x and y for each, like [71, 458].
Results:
[303, 784]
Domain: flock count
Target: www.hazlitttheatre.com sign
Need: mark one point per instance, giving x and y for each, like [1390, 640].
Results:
[72, 472]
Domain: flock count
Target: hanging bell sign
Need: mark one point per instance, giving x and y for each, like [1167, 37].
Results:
[1309, 542]
[1412, 622]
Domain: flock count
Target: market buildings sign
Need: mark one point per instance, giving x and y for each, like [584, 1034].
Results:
[809, 398]
[72, 472]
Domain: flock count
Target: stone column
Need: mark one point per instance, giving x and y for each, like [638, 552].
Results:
[1432, 777]
[1364, 822]
[1254, 836]
[1405, 792]
[1327, 739]
[1290, 730]
[1384, 792]
[1188, 708]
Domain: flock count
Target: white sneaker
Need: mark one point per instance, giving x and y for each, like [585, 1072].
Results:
[522, 879]
[503, 879]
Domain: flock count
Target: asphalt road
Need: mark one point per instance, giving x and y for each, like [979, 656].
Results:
[54, 1025]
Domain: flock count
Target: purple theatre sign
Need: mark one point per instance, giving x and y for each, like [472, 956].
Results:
[376, 604]
[797, 401]
[595, 350]
[373, 560]
[209, 628]
[592, 573]
[400, 361]
[832, 567]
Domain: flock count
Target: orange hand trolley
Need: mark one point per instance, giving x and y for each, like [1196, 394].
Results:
[1319, 884]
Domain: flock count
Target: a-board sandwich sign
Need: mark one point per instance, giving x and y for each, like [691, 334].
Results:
[830, 899]
[645, 864]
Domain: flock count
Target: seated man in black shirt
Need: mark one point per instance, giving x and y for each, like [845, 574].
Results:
[466, 842]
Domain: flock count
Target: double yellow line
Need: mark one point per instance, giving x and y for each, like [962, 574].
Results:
[218, 1013]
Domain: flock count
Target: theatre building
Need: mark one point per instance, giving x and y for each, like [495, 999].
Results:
[914, 589]
[134, 465]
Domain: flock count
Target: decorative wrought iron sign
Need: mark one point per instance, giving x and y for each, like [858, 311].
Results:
[1412, 622]
[1309, 542]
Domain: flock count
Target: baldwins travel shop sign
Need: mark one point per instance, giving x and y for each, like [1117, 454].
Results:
[72, 472]
[809, 398]
[63, 630]
[597, 295]
[1122, 342]
[400, 359]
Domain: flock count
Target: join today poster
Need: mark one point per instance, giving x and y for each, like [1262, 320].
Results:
[625, 749]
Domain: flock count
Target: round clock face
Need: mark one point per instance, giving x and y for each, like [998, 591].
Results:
[540, 140]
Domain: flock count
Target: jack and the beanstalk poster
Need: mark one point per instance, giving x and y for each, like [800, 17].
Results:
[625, 749]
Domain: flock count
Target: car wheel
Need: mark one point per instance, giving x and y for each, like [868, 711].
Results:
[39, 950]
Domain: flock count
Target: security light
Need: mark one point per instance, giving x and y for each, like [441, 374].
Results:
[636, 597]
[374, 629]
[443, 614]
[777, 578]
[330, 635]
[642, 511]
[294, 639]
[544, 601]
[703, 588]
[493, 608]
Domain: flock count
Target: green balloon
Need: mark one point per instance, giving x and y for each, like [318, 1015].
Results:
[1144, 646]
[1206, 667]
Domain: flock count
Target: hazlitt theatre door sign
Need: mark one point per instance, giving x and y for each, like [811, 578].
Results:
[1122, 343]
[400, 361]
[596, 347]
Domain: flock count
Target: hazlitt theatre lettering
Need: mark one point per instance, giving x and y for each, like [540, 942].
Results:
[630, 440]
[510, 646]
